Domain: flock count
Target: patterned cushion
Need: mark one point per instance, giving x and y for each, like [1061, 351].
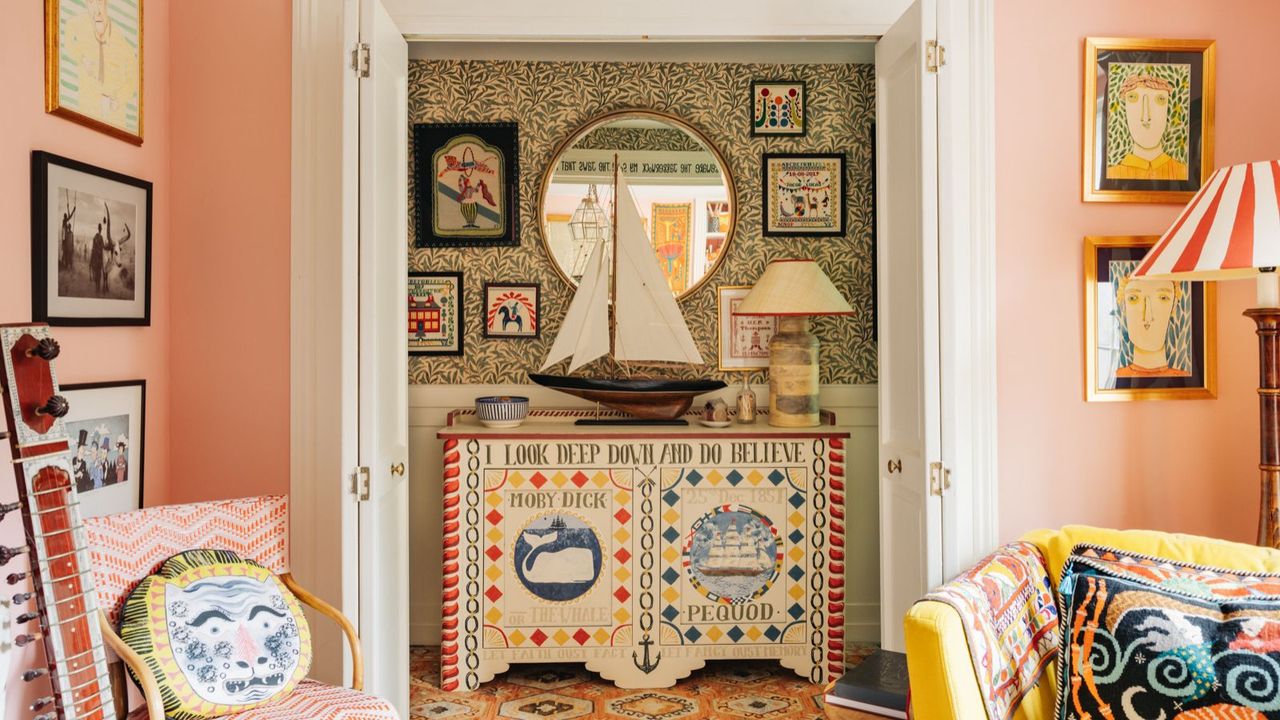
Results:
[129, 546]
[220, 634]
[1010, 623]
[1145, 637]
[313, 700]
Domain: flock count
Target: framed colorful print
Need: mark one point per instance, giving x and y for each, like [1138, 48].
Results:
[467, 183]
[90, 244]
[672, 238]
[1145, 339]
[93, 64]
[778, 107]
[435, 313]
[803, 194]
[107, 426]
[512, 310]
[1148, 119]
[744, 339]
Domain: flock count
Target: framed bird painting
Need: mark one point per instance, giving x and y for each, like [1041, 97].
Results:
[467, 184]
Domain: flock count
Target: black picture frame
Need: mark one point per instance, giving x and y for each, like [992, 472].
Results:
[804, 104]
[537, 310]
[460, 313]
[87, 501]
[494, 138]
[53, 309]
[767, 199]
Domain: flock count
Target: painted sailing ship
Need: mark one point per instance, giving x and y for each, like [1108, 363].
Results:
[735, 553]
[630, 315]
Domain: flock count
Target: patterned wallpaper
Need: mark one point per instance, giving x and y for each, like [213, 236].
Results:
[550, 100]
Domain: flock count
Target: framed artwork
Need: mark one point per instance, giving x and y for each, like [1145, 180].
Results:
[1148, 119]
[107, 426]
[1145, 339]
[435, 313]
[744, 339]
[512, 310]
[90, 244]
[93, 64]
[671, 237]
[778, 107]
[467, 184]
[803, 194]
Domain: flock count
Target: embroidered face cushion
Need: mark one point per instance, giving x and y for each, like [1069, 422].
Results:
[220, 634]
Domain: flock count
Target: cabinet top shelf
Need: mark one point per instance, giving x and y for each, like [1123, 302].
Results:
[559, 423]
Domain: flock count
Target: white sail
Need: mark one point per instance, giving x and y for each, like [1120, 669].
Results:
[649, 325]
[585, 332]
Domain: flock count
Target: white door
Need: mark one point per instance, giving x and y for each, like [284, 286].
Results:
[383, 351]
[907, 272]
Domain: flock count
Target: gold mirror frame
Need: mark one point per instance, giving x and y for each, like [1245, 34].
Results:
[582, 130]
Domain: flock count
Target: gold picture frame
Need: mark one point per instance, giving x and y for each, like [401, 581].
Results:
[1184, 316]
[94, 49]
[1172, 111]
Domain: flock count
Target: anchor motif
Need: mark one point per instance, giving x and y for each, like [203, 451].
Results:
[647, 667]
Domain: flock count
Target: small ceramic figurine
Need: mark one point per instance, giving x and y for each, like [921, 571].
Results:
[746, 402]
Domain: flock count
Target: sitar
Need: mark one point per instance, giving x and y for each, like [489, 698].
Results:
[57, 589]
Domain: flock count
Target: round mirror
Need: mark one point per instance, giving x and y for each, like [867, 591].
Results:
[681, 185]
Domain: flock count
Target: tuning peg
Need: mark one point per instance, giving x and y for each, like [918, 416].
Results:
[34, 673]
[9, 553]
[6, 508]
[26, 618]
[21, 598]
[25, 640]
[43, 702]
[47, 349]
[46, 716]
[15, 578]
[56, 406]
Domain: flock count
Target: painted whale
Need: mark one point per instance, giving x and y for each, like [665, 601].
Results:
[568, 565]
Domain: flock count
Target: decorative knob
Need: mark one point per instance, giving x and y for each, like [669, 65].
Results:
[7, 508]
[9, 553]
[397, 469]
[26, 618]
[25, 640]
[47, 349]
[34, 673]
[895, 466]
[15, 578]
[43, 702]
[21, 598]
[56, 406]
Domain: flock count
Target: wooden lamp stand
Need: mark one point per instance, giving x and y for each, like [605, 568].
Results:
[1268, 320]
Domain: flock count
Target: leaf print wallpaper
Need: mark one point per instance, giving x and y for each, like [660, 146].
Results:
[550, 100]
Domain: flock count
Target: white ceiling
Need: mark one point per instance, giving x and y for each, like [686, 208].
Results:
[768, 52]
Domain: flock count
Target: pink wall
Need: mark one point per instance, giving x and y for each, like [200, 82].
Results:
[88, 354]
[1185, 466]
[230, 343]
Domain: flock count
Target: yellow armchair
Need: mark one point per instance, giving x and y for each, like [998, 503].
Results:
[944, 684]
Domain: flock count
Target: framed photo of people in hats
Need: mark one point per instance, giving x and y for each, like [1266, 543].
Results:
[107, 426]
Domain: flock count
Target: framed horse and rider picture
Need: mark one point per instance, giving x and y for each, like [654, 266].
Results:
[466, 184]
[512, 310]
[90, 244]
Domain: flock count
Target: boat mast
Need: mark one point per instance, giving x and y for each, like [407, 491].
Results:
[613, 273]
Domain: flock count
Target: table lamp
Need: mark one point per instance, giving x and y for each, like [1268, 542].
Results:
[1231, 230]
[793, 290]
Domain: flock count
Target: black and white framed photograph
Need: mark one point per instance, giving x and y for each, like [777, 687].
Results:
[90, 244]
[107, 427]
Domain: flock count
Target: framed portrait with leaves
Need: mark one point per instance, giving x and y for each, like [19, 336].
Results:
[1145, 339]
[1148, 119]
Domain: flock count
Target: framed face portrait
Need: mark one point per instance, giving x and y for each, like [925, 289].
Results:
[435, 313]
[512, 310]
[93, 64]
[744, 339]
[467, 184]
[1145, 339]
[107, 427]
[803, 194]
[91, 244]
[1148, 119]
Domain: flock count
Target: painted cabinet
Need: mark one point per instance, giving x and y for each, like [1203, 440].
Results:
[640, 551]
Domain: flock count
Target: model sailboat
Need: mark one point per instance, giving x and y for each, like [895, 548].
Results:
[646, 326]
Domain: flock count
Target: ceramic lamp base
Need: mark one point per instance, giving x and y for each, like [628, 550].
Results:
[793, 374]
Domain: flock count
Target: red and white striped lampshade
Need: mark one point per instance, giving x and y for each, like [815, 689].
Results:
[1229, 230]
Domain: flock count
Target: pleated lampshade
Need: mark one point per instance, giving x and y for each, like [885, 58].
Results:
[794, 286]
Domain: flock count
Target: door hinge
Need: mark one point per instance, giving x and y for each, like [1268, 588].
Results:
[360, 483]
[360, 59]
[935, 478]
[935, 56]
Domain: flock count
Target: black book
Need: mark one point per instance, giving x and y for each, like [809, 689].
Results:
[877, 685]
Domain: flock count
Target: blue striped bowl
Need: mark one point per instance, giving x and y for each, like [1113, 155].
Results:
[502, 411]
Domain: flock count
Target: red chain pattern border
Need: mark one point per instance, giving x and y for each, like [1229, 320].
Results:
[449, 596]
[835, 565]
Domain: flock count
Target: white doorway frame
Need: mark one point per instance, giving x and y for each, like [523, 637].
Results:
[323, 301]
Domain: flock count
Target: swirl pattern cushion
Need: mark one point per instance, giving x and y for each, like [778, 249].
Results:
[1150, 639]
[221, 634]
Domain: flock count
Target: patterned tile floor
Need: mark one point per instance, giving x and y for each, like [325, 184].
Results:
[738, 690]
